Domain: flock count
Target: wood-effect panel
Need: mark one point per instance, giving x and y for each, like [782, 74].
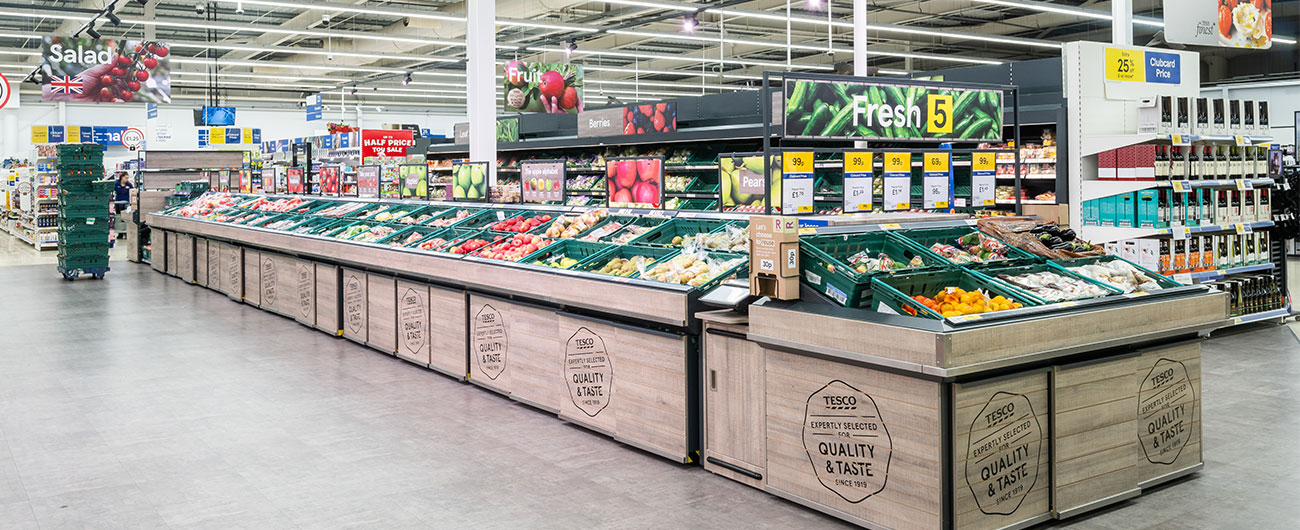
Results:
[1094, 450]
[173, 266]
[185, 257]
[252, 277]
[449, 332]
[232, 280]
[214, 265]
[353, 299]
[1168, 383]
[413, 327]
[304, 292]
[381, 313]
[158, 252]
[734, 404]
[200, 159]
[328, 296]
[201, 261]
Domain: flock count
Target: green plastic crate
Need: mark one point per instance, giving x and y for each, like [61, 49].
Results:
[83, 263]
[80, 202]
[625, 220]
[398, 238]
[702, 205]
[826, 268]
[598, 260]
[740, 266]
[893, 293]
[87, 216]
[662, 235]
[83, 236]
[486, 218]
[449, 236]
[411, 217]
[319, 225]
[87, 249]
[1164, 282]
[926, 237]
[463, 234]
[369, 212]
[992, 272]
[566, 248]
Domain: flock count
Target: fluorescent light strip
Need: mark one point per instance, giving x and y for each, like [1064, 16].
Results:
[272, 64]
[308, 51]
[351, 9]
[611, 53]
[653, 5]
[264, 76]
[560, 26]
[807, 47]
[18, 52]
[19, 35]
[1090, 13]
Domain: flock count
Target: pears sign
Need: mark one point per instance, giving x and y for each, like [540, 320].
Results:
[469, 181]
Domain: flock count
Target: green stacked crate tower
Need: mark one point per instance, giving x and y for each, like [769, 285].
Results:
[83, 210]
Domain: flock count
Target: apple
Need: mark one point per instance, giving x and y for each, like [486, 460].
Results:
[648, 170]
[622, 196]
[551, 85]
[626, 173]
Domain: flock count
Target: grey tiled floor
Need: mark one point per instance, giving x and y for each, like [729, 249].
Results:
[140, 402]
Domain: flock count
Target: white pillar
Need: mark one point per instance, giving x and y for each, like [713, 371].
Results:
[63, 113]
[11, 134]
[480, 43]
[859, 37]
[1121, 29]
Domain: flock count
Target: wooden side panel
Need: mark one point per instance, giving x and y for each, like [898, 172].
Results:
[734, 411]
[201, 261]
[232, 280]
[304, 292]
[381, 313]
[185, 257]
[860, 441]
[328, 297]
[353, 293]
[173, 266]
[215, 268]
[1169, 410]
[490, 339]
[413, 322]
[1001, 458]
[536, 357]
[268, 284]
[1094, 451]
[449, 332]
[158, 250]
[252, 277]
[625, 382]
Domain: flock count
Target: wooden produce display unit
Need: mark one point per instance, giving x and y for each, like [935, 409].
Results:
[201, 261]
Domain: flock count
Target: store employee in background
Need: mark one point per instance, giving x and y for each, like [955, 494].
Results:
[121, 192]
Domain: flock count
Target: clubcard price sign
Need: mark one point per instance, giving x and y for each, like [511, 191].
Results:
[859, 181]
[983, 180]
[796, 182]
[938, 177]
[898, 181]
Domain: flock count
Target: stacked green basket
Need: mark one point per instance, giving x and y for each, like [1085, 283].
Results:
[83, 209]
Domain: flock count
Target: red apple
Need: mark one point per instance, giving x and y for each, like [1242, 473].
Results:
[570, 98]
[648, 170]
[552, 85]
[626, 173]
[622, 196]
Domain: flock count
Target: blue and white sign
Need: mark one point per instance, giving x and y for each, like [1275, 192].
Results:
[203, 137]
[107, 135]
[151, 110]
[327, 142]
[1163, 68]
[314, 108]
[859, 181]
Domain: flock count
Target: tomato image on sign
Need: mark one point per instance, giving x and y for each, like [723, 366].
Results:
[105, 70]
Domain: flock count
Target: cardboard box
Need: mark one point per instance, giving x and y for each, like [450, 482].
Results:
[1193, 258]
[1148, 208]
[1148, 253]
[1125, 163]
[1177, 211]
[1248, 200]
[1090, 212]
[1179, 255]
[1144, 161]
[1131, 249]
[774, 257]
[1106, 161]
[1107, 215]
[1052, 213]
[1126, 210]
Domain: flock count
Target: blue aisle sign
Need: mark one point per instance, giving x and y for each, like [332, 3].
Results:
[314, 108]
[107, 135]
[152, 110]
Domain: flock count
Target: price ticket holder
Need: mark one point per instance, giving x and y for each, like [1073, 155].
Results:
[983, 179]
[859, 181]
[898, 181]
[796, 182]
[937, 182]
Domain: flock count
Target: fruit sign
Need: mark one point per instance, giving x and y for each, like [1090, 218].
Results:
[329, 181]
[368, 182]
[543, 87]
[542, 182]
[469, 181]
[414, 180]
[650, 118]
[108, 70]
[743, 185]
[636, 182]
[881, 111]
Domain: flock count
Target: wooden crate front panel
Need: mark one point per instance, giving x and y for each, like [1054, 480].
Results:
[449, 332]
[185, 257]
[860, 441]
[215, 268]
[303, 289]
[489, 344]
[354, 298]
[201, 261]
[734, 405]
[1094, 451]
[328, 295]
[268, 285]
[413, 322]
[232, 280]
[381, 313]
[158, 250]
[172, 264]
[253, 277]
[1169, 410]
[626, 382]
[1001, 454]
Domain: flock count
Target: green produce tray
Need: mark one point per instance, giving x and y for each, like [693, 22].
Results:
[662, 235]
[739, 268]
[397, 238]
[80, 175]
[451, 235]
[570, 248]
[73, 148]
[273, 218]
[926, 237]
[444, 213]
[701, 185]
[83, 262]
[598, 260]
[625, 220]
[486, 218]
[415, 212]
[462, 234]
[100, 205]
[369, 212]
[337, 231]
[826, 268]
[79, 225]
[1163, 281]
[896, 291]
[307, 208]
[992, 271]
[98, 188]
[699, 205]
[319, 225]
[81, 215]
[689, 183]
[511, 214]
[81, 250]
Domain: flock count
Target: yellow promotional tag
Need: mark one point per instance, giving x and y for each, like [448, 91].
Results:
[984, 162]
[989, 202]
[74, 134]
[1241, 140]
[1125, 65]
[40, 134]
[891, 226]
[936, 162]
[1177, 139]
[807, 230]
[1179, 186]
[898, 162]
[858, 162]
[797, 162]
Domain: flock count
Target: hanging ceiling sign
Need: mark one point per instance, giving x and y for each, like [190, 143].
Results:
[856, 110]
[1231, 24]
[106, 71]
[543, 87]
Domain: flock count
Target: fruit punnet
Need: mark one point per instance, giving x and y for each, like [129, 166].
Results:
[954, 302]
[521, 223]
[863, 262]
[630, 233]
[448, 221]
[974, 247]
[625, 266]
[515, 248]
[690, 268]
[567, 226]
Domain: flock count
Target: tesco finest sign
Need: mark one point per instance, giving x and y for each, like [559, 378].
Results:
[386, 142]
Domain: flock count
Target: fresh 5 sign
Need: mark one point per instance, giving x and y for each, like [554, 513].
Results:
[861, 110]
[1141, 66]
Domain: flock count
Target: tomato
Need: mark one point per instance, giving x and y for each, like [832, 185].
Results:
[1268, 25]
[1225, 21]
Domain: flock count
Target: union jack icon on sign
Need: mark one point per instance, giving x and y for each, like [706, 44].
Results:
[66, 85]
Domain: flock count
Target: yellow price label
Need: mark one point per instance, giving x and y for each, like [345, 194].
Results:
[807, 230]
[1177, 139]
[903, 206]
[936, 162]
[989, 202]
[892, 226]
[859, 162]
[984, 162]
[797, 162]
[1240, 140]
[1179, 186]
[898, 162]
[1125, 65]
[804, 209]
[940, 116]
[41, 134]
[1243, 185]
[941, 204]
[74, 134]
[248, 136]
[1243, 229]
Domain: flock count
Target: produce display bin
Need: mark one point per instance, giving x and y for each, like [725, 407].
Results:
[1168, 383]
[566, 248]
[1164, 282]
[515, 350]
[448, 215]
[827, 269]
[663, 235]
[448, 341]
[82, 263]
[740, 265]
[485, 218]
[355, 324]
[381, 313]
[926, 237]
[399, 238]
[992, 271]
[596, 261]
[894, 293]
[625, 220]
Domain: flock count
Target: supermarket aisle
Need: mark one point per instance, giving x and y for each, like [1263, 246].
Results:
[14, 251]
[163, 405]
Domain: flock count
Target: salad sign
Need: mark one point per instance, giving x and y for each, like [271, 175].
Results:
[938, 175]
[898, 181]
[542, 182]
[543, 87]
[105, 71]
[983, 180]
[797, 183]
[414, 180]
[859, 181]
[885, 111]
[1228, 23]
[368, 182]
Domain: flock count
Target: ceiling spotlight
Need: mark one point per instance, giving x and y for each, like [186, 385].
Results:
[93, 34]
[407, 81]
[690, 22]
[239, 8]
[112, 17]
[569, 46]
[142, 2]
[200, 8]
[814, 4]
[354, 91]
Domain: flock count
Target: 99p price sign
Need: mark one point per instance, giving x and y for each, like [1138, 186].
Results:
[983, 179]
[796, 182]
[859, 181]
[898, 181]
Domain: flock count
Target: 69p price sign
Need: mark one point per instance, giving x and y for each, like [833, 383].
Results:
[797, 183]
